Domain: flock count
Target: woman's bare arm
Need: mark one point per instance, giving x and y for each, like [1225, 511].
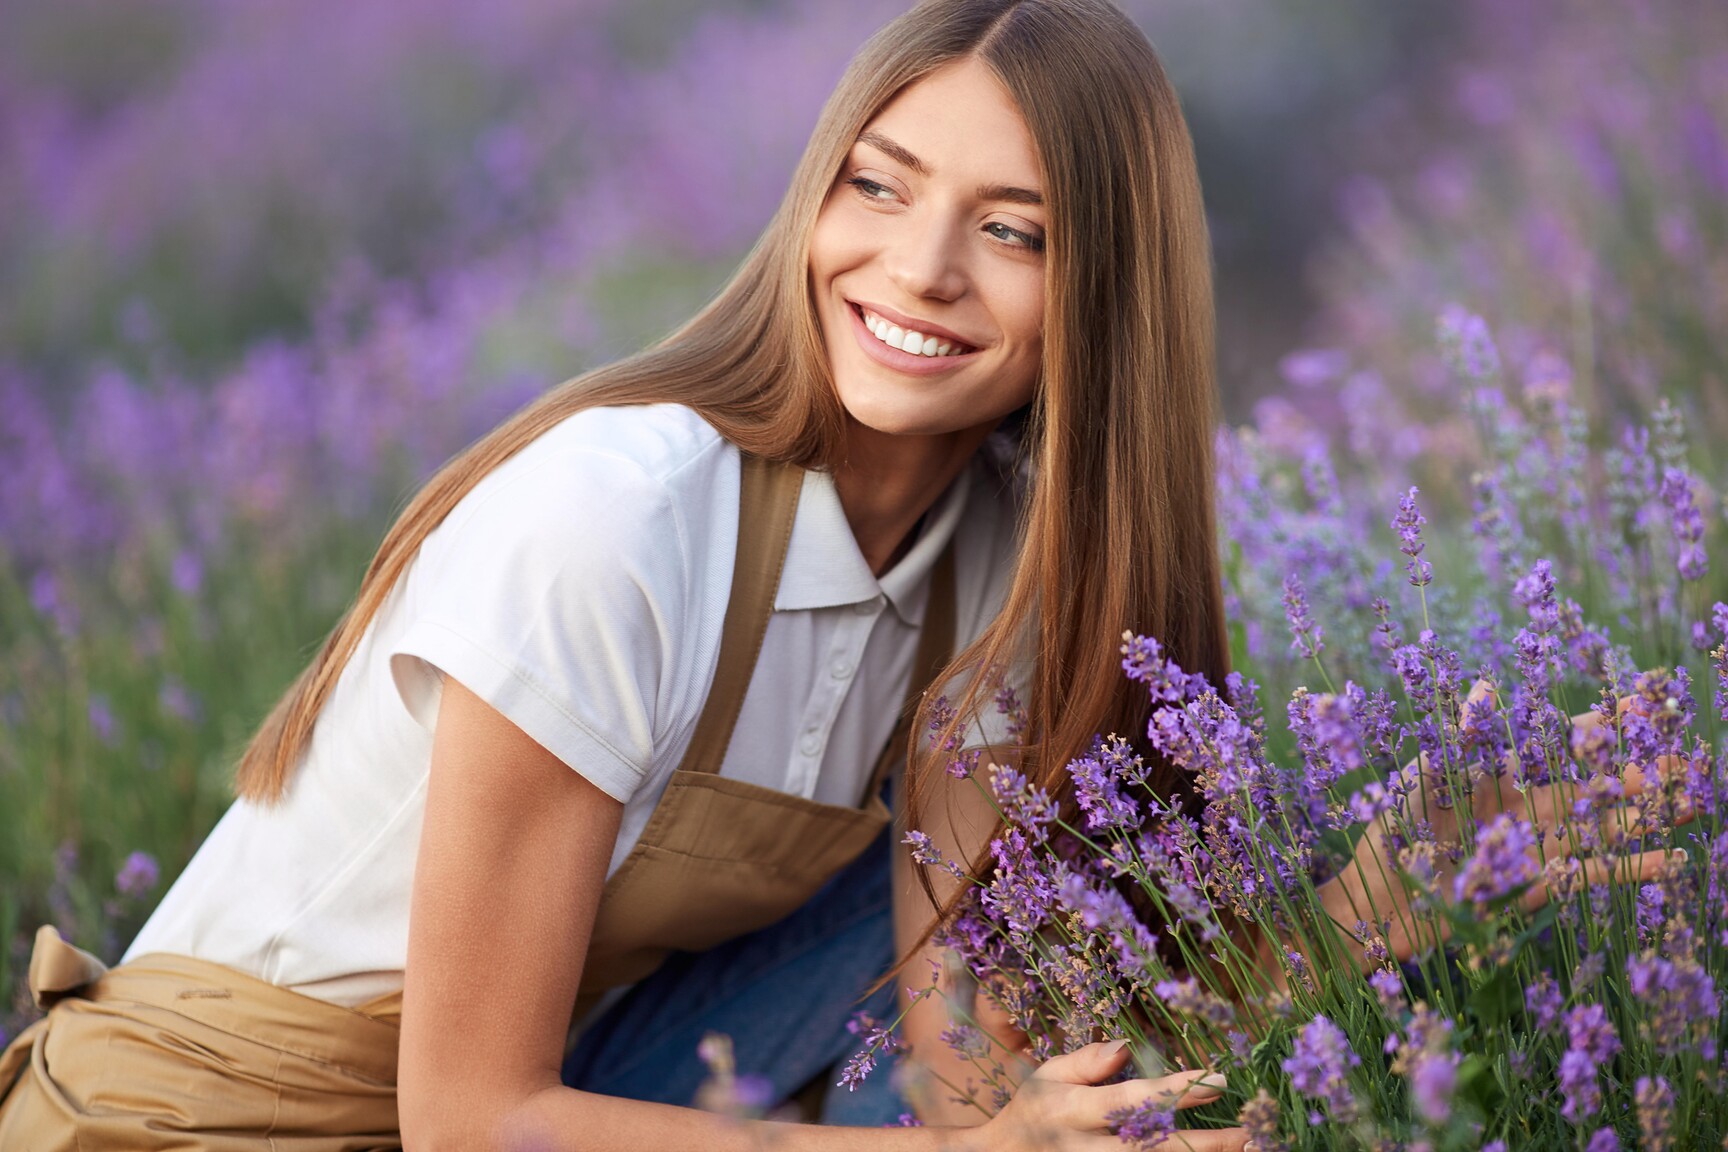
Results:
[958, 822]
[512, 862]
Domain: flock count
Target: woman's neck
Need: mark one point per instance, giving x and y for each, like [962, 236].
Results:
[888, 482]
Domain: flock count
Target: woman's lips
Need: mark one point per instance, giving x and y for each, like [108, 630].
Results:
[899, 359]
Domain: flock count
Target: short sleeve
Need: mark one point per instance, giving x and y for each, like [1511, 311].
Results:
[554, 591]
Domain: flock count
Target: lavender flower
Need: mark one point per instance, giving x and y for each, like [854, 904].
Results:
[1388, 988]
[1603, 1140]
[1542, 999]
[1308, 637]
[1655, 1114]
[1097, 786]
[1503, 864]
[1408, 524]
[1591, 1043]
[1319, 1067]
[1143, 1126]
[1679, 1001]
[1686, 523]
[1433, 1079]
[138, 875]
[1259, 1118]
[1187, 998]
[878, 1039]
[1465, 339]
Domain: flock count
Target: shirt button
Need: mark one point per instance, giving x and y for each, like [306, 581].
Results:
[811, 744]
[840, 669]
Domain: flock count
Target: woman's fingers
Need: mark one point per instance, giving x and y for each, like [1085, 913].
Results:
[1206, 1140]
[1179, 1090]
[1088, 1065]
[1640, 868]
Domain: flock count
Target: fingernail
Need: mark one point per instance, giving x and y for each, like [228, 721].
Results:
[1115, 1047]
[1212, 1082]
[1680, 855]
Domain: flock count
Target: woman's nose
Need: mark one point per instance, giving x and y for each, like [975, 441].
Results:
[926, 260]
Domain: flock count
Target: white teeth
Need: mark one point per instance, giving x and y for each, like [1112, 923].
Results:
[909, 341]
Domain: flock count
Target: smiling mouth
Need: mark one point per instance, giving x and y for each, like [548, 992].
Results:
[910, 340]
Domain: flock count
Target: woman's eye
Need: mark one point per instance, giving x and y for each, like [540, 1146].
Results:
[869, 189]
[1014, 236]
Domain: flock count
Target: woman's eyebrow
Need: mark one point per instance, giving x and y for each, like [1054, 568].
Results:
[900, 154]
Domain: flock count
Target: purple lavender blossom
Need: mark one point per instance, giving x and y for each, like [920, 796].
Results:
[1467, 344]
[1503, 864]
[1581, 1094]
[101, 716]
[1603, 1140]
[1543, 1000]
[1433, 1080]
[925, 852]
[1591, 1043]
[1145, 1125]
[1319, 1067]
[1187, 998]
[138, 875]
[1687, 524]
[878, 1040]
[1655, 1100]
[1679, 1002]
[1308, 637]
[1097, 787]
[1024, 803]
[1259, 1118]
[1408, 524]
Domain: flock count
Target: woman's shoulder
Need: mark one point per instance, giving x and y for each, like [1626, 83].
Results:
[597, 488]
[653, 442]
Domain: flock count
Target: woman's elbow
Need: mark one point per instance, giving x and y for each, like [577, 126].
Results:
[433, 1121]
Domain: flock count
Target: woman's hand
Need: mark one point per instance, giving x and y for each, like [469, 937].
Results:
[1062, 1107]
[1370, 887]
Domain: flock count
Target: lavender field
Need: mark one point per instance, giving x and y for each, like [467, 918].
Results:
[264, 267]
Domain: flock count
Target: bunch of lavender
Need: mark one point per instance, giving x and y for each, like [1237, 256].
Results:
[1624, 518]
[1475, 898]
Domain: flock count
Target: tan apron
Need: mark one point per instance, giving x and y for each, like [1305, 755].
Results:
[168, 1052]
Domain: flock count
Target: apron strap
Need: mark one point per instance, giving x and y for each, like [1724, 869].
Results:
[767, 505]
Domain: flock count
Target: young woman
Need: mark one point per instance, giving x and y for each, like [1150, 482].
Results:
[626, 678]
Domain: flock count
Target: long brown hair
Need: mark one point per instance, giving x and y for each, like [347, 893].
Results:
[1118, 528]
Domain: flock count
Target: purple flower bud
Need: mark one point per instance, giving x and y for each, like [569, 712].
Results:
[1408, 524]
[1466, 343]
[1319, 1067]
[1309, 638]
[1145, 1125]
[1503, 864]
[1655, 1099]
[138, 875]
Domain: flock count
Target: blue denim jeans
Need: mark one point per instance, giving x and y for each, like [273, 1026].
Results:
[783, 994]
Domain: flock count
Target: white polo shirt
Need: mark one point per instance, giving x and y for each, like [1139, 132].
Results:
[579, 589]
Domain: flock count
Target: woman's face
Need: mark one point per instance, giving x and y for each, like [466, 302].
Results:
[934, 227]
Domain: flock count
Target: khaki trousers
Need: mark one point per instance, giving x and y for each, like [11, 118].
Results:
[168, 1052]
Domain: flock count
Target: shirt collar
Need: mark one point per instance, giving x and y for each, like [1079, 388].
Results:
[825, 569]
